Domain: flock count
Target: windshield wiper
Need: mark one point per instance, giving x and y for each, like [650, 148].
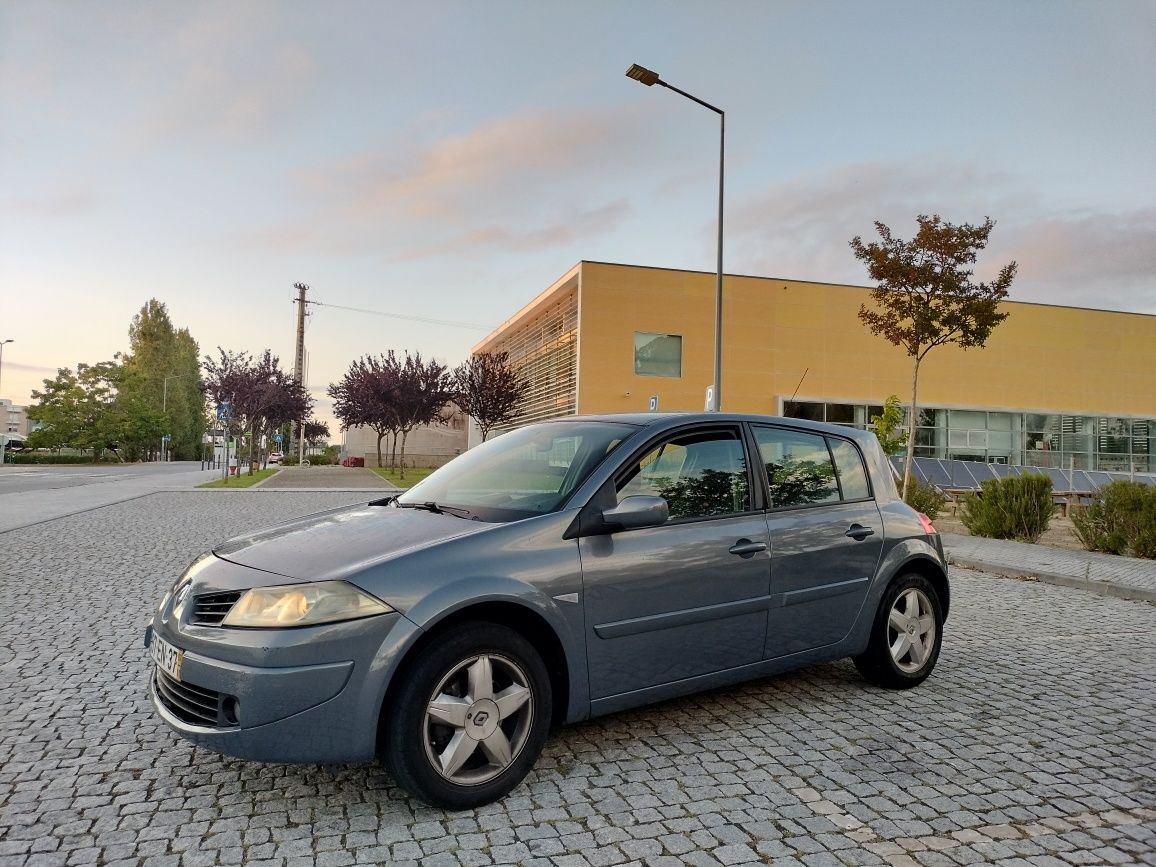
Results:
[437, 508]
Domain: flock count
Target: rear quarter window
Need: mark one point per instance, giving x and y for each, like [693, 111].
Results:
[849, 466]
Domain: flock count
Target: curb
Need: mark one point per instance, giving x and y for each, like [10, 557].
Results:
[1100, 588]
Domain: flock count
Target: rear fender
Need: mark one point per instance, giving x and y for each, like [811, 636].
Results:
[909, 555]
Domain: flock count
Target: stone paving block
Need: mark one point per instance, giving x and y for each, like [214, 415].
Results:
[1036, 751]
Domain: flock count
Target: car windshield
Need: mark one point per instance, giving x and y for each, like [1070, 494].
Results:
[526, 472]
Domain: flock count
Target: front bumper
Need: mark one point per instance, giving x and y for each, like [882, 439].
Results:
[272, 707]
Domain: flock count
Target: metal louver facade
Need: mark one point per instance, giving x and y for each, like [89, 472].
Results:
[544, 349]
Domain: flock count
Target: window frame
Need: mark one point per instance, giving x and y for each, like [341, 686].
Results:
[768, 500]
[756, 497]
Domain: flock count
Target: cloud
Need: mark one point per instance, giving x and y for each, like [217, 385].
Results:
[525, 182]
[231, 91]
[498, 163]
[1088, 259]
[29, 368]
[572, 228]
[52, 203]
[1082, 257]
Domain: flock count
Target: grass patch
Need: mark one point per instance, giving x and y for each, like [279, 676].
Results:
[242, 481]
[413, 475]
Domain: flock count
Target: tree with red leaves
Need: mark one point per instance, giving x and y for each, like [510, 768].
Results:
[263, 396]
[926, 295]
[366, 396]
[489, 390]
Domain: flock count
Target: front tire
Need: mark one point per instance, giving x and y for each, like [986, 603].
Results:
[469, 718]
[906, 635]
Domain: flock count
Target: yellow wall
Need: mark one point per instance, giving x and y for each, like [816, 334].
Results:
[1041, 358]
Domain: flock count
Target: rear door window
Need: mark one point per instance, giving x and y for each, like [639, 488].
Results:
[799, 467]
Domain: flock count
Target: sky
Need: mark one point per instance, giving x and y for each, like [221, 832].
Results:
[445, 162]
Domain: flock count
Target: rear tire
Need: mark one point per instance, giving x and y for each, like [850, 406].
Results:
[469, 718]
[906, 635]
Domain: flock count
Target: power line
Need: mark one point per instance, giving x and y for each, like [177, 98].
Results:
[404, 316]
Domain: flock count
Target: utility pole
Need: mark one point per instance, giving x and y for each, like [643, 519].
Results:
[299, 362]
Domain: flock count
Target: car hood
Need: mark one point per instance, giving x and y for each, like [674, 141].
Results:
[343, 541]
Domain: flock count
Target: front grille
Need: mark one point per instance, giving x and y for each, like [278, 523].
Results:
[210, 609]
[195, 704]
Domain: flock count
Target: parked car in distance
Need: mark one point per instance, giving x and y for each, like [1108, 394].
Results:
[560, 571]
[274, 458]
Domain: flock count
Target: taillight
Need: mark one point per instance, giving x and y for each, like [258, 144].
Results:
[928, 527]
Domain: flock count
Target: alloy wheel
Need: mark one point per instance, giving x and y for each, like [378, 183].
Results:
[478, 719]
[911, 630]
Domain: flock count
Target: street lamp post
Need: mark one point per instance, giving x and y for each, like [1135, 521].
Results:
[649, 78]
[4, 430]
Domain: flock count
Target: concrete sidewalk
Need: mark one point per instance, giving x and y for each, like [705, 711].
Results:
[1105, 574]
[25, 508]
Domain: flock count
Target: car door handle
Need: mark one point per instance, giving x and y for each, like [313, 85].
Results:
[746, 548]
[858, 532]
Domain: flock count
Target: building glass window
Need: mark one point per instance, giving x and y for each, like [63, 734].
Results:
[657, 354]
[804, 409]
[840, 413]
[1030, 439]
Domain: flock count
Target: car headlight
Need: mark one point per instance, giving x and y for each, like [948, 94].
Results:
[302, 605]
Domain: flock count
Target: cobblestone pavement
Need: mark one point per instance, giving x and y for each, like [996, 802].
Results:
[1085, 569]
[1033, 743]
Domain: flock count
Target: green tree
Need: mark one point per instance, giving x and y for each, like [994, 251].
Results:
[77, 410]
[926, 296]
[888, 426]
[162, 376]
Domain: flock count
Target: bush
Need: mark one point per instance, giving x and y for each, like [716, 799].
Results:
[1018, 507]
[1121, 519]
[925, 497]
[353, 462]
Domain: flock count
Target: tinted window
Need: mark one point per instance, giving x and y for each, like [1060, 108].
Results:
[852, 476]
[699, 475]
[798, 466]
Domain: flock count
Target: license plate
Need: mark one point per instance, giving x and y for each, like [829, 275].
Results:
[167, 657]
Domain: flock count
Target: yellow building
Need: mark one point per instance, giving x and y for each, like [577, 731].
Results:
[1055, 386]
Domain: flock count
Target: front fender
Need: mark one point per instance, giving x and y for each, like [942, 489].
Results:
[564, 619]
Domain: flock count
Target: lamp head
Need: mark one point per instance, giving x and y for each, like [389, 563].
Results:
[641, 73]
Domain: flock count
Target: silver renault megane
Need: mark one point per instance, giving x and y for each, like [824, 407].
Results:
[560, 571]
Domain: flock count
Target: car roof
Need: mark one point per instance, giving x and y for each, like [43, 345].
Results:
[662, 420]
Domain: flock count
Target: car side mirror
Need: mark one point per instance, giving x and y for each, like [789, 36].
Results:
[635, 512]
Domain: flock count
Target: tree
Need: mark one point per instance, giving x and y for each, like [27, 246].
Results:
[489, 390]
[316, 433]
[162, 375]
[263, 396]
[926, 295]
[77, 410]
[366, 395]
[424, 389]
[887, 426]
